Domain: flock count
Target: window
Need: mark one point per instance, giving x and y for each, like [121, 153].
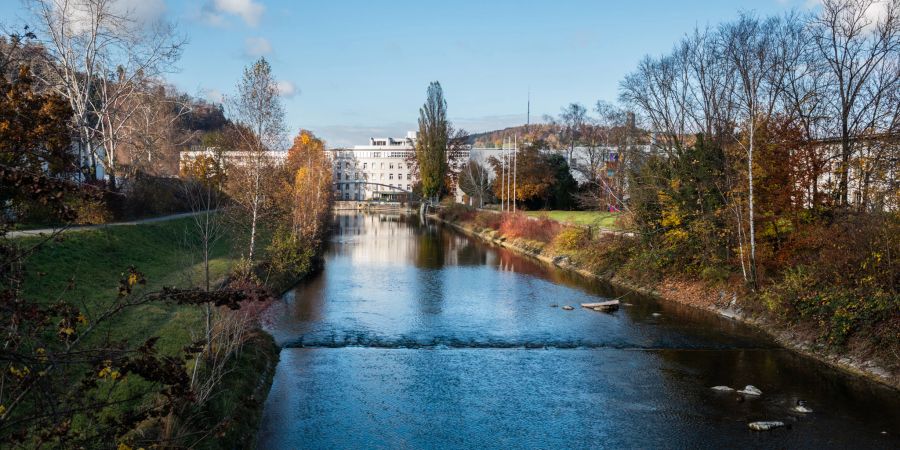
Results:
[391, 166]
[364, 165]
[407, 188]
[382, 176]
[339, 176]
[391, 176]
[382, 165]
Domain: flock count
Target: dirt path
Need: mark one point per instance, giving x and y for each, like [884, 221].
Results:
[43, 231]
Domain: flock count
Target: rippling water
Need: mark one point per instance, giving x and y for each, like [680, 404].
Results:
[417, 337]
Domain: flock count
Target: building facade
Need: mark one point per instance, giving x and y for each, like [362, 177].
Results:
[382, 170]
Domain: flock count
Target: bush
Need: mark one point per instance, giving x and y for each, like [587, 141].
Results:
[455, 212]
[572, 239]
[488, 220]
[521, 226]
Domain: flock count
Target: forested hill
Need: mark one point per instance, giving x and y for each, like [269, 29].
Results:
[495, 138]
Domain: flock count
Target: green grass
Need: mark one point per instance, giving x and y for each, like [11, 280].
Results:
[85, 268]
[94, 260]
[584, 218]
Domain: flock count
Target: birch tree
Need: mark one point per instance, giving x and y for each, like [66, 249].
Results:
[98, 52]
[259, 118]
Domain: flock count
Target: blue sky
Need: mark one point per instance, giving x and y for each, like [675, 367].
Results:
[355, 69]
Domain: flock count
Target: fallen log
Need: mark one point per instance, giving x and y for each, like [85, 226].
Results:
[610, 305]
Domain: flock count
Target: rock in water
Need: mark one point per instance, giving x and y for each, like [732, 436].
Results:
[568, 308]
[722, 389]
[802, 409]
[750, 390]
[554, 305]
[765, 425]
[656, 314]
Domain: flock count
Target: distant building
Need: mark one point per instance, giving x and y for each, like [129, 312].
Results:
[381, 170]
[230, 157]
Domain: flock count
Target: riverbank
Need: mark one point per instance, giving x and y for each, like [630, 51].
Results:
[88, 265]
[726, 300]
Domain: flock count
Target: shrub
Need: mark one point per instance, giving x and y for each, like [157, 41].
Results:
[520, 226]
[455, 212]
[572, 239]
[488, 220]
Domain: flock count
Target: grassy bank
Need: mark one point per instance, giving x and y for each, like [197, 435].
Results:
[86, 266]
[583, 218]
[616, 258]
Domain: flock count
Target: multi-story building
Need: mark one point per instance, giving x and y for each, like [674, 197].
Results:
[381, 170]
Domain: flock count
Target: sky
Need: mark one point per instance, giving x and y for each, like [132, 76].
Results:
[350, 70]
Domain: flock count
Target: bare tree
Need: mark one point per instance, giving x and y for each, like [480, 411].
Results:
[749, 47]
[860, 57]
[475, 181]
[152, 135]
[572, 120]
[98, 54]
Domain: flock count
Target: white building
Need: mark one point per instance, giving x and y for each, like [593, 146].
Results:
[381, 170]
[229, 157]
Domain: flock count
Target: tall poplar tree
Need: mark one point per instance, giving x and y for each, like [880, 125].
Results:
[431, 145]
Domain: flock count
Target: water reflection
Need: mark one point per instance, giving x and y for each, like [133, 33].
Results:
[415, 336]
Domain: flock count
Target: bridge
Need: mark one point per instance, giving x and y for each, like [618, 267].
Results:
[392, 194]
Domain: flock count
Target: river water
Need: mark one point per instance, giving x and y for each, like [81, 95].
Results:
[415, 336]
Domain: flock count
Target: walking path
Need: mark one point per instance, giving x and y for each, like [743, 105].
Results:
[41, 231]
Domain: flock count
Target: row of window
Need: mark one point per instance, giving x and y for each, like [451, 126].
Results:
[348, 165]
[349, 176]
[349, 187]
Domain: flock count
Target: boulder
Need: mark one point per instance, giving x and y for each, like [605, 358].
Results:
[766, 425]
[568, 308]
[802, 409]
[750, 390]
[722, 389]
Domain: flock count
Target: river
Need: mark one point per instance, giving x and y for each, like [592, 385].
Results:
[414, 336]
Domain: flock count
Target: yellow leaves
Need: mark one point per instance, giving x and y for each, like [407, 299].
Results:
[124, 446]
[132, 279]
[68, 331]
[19, 373]
[82, 319]
[108, 372]
[2, 410]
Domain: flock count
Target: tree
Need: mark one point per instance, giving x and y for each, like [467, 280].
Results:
[97, 56]
[572, 120]
[259, 118]
[475, 181]
[859, 58]
[153, 132]
[431, 143]
[543, 179]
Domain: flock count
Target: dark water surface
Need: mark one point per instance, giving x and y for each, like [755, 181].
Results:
[417, 337]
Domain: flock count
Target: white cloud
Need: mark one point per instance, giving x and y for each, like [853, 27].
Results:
[286, 89]
[79, 17]
[249, 10]
[257, 46]
[876, 13]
